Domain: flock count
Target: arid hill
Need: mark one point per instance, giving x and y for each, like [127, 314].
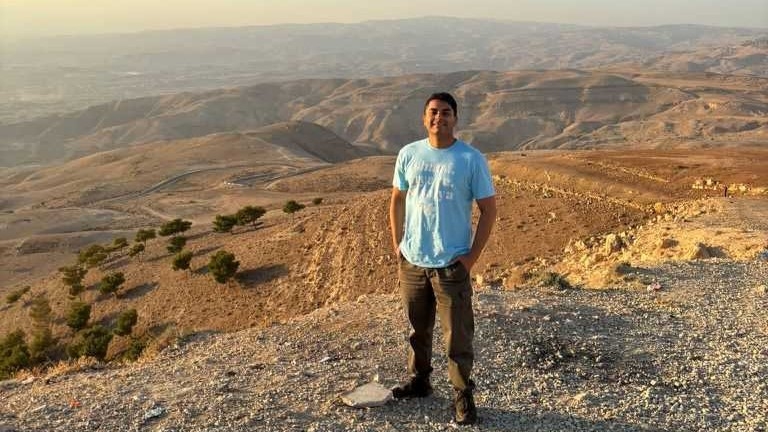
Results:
[277, 148]
[747, 58]
[47, 213]
[339, 249]
[500, 111]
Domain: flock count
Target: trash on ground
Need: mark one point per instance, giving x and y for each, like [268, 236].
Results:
[654, 287]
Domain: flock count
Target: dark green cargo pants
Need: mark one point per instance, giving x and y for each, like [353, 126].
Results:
[448, 292]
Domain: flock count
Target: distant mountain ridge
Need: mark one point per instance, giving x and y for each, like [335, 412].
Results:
[748, 58]
[498, 111]
[67, 73]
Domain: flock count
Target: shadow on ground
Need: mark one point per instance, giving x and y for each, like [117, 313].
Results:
[251, 277]
[207, 250]
[138, 290]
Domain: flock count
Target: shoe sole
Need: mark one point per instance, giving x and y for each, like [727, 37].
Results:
[412, 396]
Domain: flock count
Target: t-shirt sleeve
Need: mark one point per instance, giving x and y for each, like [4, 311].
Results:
[482, 184]
[399, 181]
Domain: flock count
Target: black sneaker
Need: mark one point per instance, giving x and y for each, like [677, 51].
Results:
[416, 387]
[464, 403]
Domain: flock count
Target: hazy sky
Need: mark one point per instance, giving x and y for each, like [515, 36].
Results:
[48, 17]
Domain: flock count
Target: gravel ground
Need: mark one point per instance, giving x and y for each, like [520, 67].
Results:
[692, 356]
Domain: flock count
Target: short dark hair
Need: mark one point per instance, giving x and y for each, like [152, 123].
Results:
[445, 97]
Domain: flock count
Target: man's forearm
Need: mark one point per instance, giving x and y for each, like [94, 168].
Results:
[396, 219]
[483, 233]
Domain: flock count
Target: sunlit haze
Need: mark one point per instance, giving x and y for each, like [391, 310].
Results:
[22, 18]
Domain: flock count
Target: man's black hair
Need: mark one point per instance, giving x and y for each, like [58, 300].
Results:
[445, 97]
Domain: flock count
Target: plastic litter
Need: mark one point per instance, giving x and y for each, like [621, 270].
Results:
[654, 287]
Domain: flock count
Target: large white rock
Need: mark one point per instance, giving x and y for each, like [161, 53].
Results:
[367, 395]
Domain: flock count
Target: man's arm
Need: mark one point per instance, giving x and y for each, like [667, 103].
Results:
[397, 217]
[487, 208]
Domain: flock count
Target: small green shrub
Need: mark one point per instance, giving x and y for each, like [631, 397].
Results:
[224, 223]
[93, 256]
[42, 337]
[249, 215]
[292, 206]
[76, 290]
[41, 345]
[143, 235]
[91, 342]
[136, 249]
[119, 243]
[78, 316]
[317, 201]
[175, 226]
[125, 322]
[111, 283]
[223, 266]
[181, 260]
[134, 350]
[40, 312]
[176, 244]
[14, 296]
[73, 276]
[14, 354]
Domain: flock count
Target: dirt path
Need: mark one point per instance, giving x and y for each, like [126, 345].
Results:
[157, 214]
[752, 212]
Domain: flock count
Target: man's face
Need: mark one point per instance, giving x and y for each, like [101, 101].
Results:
[439, 118]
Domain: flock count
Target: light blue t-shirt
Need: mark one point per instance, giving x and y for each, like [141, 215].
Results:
[441, 185]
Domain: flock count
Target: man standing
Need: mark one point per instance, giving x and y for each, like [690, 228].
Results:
[436, 180]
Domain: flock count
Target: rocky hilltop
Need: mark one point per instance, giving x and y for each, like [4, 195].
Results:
[675, 344]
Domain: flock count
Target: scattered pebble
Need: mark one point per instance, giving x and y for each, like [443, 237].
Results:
[691, 358]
